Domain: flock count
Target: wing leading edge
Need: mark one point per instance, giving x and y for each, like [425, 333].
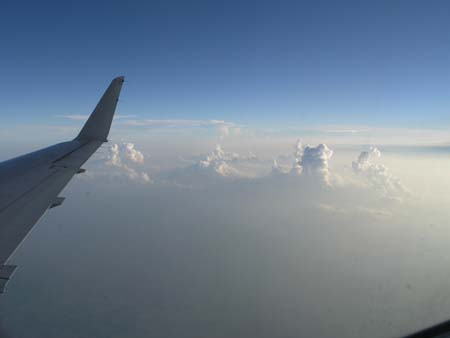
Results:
[30, 184]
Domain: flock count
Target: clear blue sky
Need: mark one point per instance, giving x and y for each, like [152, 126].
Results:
[260, 62]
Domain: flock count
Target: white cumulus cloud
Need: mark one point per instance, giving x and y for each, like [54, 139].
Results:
[309, 162]
[218, 161]
[121, 160]
[213, 167]
[314, 162]
[298, 152]
[377, 175]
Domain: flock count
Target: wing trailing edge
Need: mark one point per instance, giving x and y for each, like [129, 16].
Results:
[6, 272]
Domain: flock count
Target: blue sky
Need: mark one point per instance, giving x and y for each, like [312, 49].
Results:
[280, 220]
[264, 63]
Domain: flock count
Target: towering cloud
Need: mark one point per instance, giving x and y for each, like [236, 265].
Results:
[377, 175]
[314, 162]
[310, 161]
[132, 153]
[217, 162]
[125, 157]
[364, 159]
[213, 167]
[298, 152]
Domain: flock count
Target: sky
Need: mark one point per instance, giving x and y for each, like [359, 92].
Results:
[274, 169]
[265, 63]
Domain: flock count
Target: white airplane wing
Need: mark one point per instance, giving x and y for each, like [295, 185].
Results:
[30, 184]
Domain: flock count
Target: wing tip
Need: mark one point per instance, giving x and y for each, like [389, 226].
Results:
[99, 122]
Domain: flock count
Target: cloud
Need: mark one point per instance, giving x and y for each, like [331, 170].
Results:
[298, 152]
[124, 156]
[132, 154]
[310, 170]
[223, 128]
[377, 175]
[218, 162]
[309, 173]
[331, 193]
[307, 183]
[365, 157]
[221, 155]
[226, 128]
[74, 117]
[314, 162]
[278, 170]
[213, 167]
[310, 162]
[84, 117]
[311, 165]
[343, 131]
[355, 210]
[121, 160]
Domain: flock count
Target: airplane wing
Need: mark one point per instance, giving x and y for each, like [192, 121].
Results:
[441, 330]
[30, 184]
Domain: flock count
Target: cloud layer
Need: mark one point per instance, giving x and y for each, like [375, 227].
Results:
[309, 173]
[223, 128]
